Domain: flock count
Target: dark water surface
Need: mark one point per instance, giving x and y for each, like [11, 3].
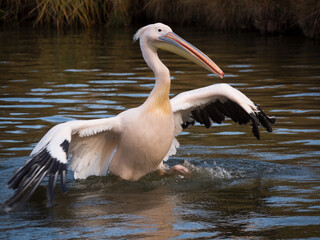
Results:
[241, 188]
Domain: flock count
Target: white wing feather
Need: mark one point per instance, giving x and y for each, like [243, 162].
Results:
[202, 96]
[185, 103]
[92, 145]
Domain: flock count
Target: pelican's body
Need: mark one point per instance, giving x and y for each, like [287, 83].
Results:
[141, 146]
[137, 141]
[147, 132]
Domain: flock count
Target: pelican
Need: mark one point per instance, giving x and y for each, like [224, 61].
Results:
[138, 140]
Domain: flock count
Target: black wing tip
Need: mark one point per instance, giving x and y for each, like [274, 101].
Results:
[63, 185]
[255, 130]
[60, 169]
[27, 179]
[217, 111]
[260, 118]
[65, 146]
[187, 124]
[272, 120]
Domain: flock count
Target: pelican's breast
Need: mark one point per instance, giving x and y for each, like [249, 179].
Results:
[144, 142]
[159, 102]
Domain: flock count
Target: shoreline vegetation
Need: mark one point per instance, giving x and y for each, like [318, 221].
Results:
[265, 16]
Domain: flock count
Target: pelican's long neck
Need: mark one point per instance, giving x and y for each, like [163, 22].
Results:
[158, 100]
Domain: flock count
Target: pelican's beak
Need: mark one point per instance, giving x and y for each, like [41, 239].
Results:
[175, 44]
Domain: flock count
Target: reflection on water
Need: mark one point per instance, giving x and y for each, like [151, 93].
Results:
[240, 187]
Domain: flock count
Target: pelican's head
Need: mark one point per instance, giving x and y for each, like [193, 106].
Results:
[161, 36]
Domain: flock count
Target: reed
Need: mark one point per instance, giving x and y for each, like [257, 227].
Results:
[86, 13]
[270, 16]
[64, 13]
[267, 16]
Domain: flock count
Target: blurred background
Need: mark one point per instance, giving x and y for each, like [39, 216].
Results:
[266, 16]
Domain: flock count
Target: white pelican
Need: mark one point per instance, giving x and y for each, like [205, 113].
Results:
[137, 141]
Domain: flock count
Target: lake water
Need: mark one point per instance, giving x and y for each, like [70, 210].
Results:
[240, 188]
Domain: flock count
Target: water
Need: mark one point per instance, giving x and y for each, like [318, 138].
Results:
[241, 188]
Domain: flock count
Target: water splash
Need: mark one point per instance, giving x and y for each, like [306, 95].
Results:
[213, 172]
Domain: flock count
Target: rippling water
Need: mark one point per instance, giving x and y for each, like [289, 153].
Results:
[240, 187]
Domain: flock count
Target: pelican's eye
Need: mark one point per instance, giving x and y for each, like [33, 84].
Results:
[159, 30]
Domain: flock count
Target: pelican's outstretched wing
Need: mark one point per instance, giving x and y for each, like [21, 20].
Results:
[213, 104]
[50, 157]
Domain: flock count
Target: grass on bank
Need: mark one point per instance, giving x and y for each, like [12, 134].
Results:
[271, 16]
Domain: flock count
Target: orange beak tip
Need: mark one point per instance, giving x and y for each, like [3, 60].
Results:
[222, 75]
